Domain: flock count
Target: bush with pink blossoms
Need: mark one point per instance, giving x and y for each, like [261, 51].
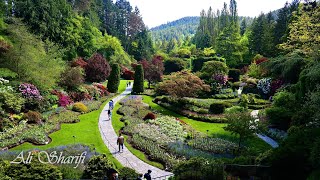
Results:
[64, 100]
[30, 91]
[220, 78]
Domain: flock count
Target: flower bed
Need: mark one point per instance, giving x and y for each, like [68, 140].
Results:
[213, 145]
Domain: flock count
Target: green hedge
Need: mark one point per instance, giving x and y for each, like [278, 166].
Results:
[218, 107]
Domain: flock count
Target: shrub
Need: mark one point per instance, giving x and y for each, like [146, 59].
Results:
[80, 107]
[98, 167]
[174, 65]
[11, 102]
[114, 79]
[98, 69]
[219, 107]
[244, 101]
[103, 91]
[72, 78]
[220, 78]
[213, 67]
[199, 168]
[64, 100]
[33, 117]
[234, 109]
[79, 96]
[128, 173]
[234, 74]
[182, 84]
[264, 85]
[284, 99]
[279, 117]
[79, 62]
[150, 115]
[29, 91]
[138, 84]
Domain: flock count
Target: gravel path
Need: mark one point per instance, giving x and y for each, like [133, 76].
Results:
[266, 139]
[126, 158]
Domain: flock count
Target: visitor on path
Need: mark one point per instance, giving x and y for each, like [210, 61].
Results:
[148, 175]
[111, 104]
[109, 114]
[120, 142]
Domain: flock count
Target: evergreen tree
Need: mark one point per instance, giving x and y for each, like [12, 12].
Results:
[138, 84]
[243, 27]
[114, 78]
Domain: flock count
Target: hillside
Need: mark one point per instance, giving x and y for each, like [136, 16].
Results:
[183, 27]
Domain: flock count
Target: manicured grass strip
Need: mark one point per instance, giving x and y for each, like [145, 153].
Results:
[117, 125]
[86, 132]
[215, 129]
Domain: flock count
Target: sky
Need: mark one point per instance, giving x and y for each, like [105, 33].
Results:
[157, 12]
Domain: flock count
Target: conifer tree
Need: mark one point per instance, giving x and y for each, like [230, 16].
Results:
[114, 78]
[138, 84]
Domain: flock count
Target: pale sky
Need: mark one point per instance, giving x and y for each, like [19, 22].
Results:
[157, 12]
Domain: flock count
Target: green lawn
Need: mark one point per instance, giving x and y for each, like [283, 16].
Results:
[215, 129]
[117, 125]
[122, 86]
[86, 132]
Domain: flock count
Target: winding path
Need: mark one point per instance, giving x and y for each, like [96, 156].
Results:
[126, 158]
[266, 139]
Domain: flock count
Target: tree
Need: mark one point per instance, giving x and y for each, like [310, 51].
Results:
[213, 67]
[242, 124]
[98, 69]
[72, 78]
[32, 59]
[114, 78]
[304, 30]
[182, 84]
[153, 70]
[138, 84]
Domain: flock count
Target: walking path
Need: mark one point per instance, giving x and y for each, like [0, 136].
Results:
[266, 139]
[126, 158]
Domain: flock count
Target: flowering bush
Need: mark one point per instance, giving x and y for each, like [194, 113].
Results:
[264, 85]
[29, 91]
[64, 100]
[102, 89]
[220, 78]
[79, 96]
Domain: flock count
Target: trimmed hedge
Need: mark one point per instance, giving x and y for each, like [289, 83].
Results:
[197, 64]
[218, 107]
[114, 79]
[138, 84]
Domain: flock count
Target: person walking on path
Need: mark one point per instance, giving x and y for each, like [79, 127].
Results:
[109, 113]
[148, 175]
[120, 142]
[111, 104]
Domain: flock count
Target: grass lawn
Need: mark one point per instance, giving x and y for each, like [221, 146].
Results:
[117, 125]
[86, 132]
[122, 86]
[215, 129]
